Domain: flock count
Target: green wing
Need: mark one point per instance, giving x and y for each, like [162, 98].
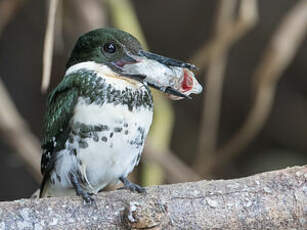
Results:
[60, 108]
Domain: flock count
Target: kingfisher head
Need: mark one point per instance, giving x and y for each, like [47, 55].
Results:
[124, 55]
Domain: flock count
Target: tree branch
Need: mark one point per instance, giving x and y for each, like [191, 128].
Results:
[271, 200]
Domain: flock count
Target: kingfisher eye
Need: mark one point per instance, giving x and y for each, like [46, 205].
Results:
[109, 47]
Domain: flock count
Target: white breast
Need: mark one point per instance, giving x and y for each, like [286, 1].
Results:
[114, 155]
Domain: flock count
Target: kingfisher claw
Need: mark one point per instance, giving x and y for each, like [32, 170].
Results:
[131, 186]
[86, 196]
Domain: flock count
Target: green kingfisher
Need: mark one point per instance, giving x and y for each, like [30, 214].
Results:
[99, 115]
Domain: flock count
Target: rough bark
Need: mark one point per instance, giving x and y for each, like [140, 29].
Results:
[271, 200]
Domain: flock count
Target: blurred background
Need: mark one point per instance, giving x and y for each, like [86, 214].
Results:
[252, 56]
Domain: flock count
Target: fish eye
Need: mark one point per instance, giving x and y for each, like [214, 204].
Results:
[109, 47]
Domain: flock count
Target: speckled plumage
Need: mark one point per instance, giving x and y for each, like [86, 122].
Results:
[89, 124]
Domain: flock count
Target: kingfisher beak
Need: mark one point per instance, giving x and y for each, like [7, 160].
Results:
[170, 76]
[167, 61]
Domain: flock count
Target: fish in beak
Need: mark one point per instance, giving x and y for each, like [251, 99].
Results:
[173, 77]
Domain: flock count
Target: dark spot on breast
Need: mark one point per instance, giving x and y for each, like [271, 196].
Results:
[126, 125]
[105, 139]
[84, 128]
[111, 134]
[99, 128]
[104, 128]
[83, 144]
[126, 132]
[141, 130]
[118, 129]
[95, 137]
[85, 134]
[138, 140]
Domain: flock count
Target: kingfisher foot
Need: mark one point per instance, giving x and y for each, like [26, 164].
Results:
[131, 186]
[86, 196]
